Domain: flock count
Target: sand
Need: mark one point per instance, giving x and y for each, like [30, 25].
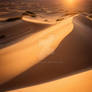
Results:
[9, 15]
[77, 83]
[69, 53]
[37, 20]
[24, 54]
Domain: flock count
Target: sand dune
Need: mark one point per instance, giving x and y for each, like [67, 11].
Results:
[38, 44]
[18, 30]
[37, 20]
[77, 83]
[73, 55]
[7, 15]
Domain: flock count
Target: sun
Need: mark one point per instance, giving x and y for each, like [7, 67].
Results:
[70, 3]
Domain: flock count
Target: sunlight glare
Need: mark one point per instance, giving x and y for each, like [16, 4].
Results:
[70, 3]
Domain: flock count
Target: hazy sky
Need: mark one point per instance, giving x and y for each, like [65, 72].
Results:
[26, 4]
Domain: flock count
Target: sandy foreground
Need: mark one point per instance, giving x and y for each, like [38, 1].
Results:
[67, 44]
[78, 83]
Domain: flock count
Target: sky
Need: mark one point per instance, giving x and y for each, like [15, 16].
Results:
[68, 4]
